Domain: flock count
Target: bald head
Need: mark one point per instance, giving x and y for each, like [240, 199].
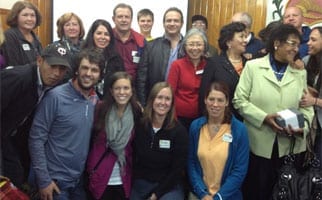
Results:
[244, 18]
[294, 16]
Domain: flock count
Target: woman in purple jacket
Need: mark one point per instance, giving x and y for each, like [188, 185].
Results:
[110, 159]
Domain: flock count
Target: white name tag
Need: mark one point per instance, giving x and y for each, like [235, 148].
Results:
[136, 59]
[26, 47]
[134, 53]
[199, 71]
[227, 137]
[164, 144]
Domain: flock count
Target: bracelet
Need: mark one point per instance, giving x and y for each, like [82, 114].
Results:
[316, 101]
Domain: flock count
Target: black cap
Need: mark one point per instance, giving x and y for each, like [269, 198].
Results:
[56, 54]
[201, 18]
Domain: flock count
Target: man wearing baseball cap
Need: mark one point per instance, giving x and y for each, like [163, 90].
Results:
[22, 88]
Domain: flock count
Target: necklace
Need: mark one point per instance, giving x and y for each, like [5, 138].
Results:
[215, 127]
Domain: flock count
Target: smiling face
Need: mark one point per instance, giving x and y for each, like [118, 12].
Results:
[87, 75]
[315, 42]
[145, 23]
[238, 43]
[122, 19]
[72, 29]
[162, 102]
[195, 47]
[27, 19]
[101, 37]
[172, 23]
[216, 103]
[122, 91]
[286, 51]
[293, 16]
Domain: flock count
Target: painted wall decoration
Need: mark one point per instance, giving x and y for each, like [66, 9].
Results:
[311, 9]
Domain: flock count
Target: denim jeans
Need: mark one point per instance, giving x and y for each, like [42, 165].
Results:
[142, 189]
[70, 190]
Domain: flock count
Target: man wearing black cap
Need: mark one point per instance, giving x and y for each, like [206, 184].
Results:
[200, 22]
[22, 88]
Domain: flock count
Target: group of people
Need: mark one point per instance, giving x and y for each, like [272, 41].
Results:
[122, 115]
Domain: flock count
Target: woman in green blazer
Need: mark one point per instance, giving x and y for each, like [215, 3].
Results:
[268, 85]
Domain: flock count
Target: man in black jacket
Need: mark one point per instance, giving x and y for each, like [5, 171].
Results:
[159, 54]
[22, 88]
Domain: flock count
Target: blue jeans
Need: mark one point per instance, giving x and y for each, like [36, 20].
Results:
[70, 190]
[142, 190]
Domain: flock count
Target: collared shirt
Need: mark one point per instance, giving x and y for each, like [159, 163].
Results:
[173, 55]
[60, 135]
[128, 50]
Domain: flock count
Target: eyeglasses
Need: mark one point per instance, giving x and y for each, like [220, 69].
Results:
[191, 45]
[198, 24]
[292, 43]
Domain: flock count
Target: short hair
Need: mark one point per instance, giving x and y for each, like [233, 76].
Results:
[93, 56]
[201, 18]
[227, 33]
[173, 9]
[89, 40]
[170, 119]
[123, 5]
[264, 33]
[62, 20]
[224, 88]
[145, 12]
[281, 34]
[247, 19]
[192, 32]
[12, 18]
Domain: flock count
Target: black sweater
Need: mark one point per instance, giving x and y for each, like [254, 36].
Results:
[160, 157]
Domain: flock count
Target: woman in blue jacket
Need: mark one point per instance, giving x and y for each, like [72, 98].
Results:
[219, 149]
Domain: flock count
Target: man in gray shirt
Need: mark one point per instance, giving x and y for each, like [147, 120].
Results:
[60, 135]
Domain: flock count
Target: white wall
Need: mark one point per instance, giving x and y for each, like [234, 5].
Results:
[7, 4]
[91, 10]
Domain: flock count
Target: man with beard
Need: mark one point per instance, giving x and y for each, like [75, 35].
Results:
[60, 135]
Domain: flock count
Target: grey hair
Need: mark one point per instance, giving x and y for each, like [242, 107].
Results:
[246, 19]
[192, 32]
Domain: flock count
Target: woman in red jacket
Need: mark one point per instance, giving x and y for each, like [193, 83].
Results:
[185, 76]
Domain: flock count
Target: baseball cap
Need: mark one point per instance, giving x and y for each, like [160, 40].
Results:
[56, 54]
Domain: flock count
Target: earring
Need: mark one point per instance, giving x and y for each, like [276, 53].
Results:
[275, 47]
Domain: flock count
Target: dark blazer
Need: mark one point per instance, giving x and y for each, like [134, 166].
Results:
[19, 95]
[219, 68]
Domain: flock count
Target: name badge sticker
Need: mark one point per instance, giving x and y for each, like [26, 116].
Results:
[26, 47]
[136, 59]
[164, 144]
[227, 138]
[199, 71]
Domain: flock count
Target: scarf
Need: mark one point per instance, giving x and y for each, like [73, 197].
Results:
[118, 131]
